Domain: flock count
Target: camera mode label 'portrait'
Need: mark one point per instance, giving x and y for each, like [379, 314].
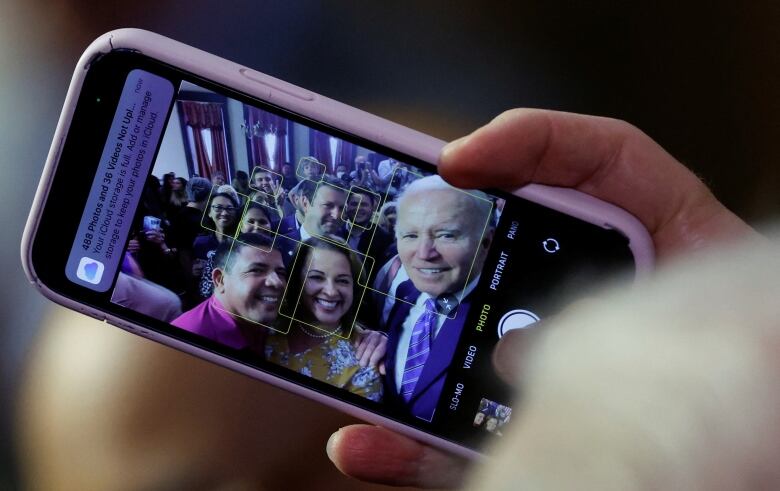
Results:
[119, 180]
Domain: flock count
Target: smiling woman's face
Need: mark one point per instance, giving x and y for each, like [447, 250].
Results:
[255, 221]
[327, 287]
[223, 212]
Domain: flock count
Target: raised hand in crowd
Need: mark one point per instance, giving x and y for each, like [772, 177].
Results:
[133, 245]
[156, 237]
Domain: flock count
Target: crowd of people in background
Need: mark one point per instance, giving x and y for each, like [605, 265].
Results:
[303, 268]
[196, 215]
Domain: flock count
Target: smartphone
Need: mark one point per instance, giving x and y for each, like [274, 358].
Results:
[151, 223]
[286, 295]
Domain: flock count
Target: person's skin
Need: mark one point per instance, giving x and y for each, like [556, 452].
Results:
[371, 348]
[223, 212]
[387, 221]
[327, 287]
[609, 159]
[295, 199]
[491, 424]
[218, 180]
[327, 295]
[479, 418]
[439, 237]
[306, 170]
[341, 169]
[255, 221]
[311, 170]
[671, 384]
[156, 237]
[176, 184]
[361, 207]
[241, 185]
[322, 216]
[287, 170]
[264, 181]
[391, 220]
[252, 287]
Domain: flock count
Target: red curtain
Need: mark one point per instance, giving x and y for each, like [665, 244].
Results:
[207, 116]
[201, 156]
[256, 127]
[219, 152]
[319, 145]
[281, 152]
[345, 154]
[260, 124]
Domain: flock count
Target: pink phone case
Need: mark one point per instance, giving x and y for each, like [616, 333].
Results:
[335, 114]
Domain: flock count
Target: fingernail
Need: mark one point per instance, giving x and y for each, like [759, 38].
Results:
[331, 445]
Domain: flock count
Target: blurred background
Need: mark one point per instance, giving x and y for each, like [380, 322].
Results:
[702, 80]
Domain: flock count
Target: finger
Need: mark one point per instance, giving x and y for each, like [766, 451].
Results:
[509, 353]
[367, 353]
[378, 354]
[378, 455]
[382, 368]
[606, 158]
[361, 346]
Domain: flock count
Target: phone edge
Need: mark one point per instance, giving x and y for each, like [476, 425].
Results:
[329, 111]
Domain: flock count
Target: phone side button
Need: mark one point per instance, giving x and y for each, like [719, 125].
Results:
[122, 325]
[91, 313]
[126, 326]
[277, 85]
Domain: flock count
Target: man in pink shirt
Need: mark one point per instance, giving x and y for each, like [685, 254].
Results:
[249, 280]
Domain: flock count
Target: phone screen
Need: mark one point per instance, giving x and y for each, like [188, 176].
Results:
[277, 241]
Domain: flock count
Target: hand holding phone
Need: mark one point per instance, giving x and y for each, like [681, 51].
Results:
[288, 298]
[133, 245]
[155, 236]
[507, 152]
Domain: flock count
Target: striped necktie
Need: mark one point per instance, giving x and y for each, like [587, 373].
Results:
[419, 349]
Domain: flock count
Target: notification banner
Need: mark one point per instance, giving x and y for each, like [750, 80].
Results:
[116, 189]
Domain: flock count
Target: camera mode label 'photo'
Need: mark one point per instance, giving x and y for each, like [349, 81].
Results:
[119, 180]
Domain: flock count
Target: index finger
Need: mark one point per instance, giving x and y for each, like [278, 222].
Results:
[606, 158]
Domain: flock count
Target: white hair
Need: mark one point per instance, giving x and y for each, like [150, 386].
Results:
[228, 189]
[483, 206]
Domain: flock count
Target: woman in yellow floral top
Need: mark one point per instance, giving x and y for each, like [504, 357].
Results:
[321, 340]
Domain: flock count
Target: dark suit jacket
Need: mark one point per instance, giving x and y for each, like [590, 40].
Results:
[288, 225]
[288, 245]
[431, 383]
[382, 247]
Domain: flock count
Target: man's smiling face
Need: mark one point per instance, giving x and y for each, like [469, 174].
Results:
[253, 285]
[323, 215]
[439, 234]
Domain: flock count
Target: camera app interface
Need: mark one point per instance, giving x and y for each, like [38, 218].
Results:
[348, 270]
